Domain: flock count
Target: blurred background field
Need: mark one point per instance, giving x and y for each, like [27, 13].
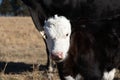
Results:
[18, 37]
[22, 50]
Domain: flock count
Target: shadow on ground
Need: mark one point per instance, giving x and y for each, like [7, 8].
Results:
[19, 67]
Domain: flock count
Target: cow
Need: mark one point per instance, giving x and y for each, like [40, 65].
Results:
[57, 31]
[79, 12]
[94, 53]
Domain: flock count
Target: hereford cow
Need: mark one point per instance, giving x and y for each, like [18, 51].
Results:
[90, 13]
[94, 51]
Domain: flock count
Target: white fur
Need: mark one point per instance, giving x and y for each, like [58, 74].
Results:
[78, 77]
[109, 75]
[56, 28]
[69, 78]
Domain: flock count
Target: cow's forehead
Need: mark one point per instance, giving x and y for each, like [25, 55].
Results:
[57, 26]
[57, 32]
[56, 21]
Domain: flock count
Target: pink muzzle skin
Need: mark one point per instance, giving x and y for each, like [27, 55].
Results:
[57, 56]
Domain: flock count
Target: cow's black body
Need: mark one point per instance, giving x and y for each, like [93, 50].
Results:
[75, 10]
[101, 18]
[94, 50]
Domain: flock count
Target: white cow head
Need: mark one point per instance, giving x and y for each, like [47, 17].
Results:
[57, 31]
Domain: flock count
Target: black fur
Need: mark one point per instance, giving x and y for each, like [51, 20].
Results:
[93, 51]
[101, 20]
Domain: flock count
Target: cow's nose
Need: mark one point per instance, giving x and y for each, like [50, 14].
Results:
[57, 56]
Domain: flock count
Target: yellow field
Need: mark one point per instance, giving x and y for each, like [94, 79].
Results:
[22, 50]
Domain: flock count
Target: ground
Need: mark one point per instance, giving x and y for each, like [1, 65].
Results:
[22, 50]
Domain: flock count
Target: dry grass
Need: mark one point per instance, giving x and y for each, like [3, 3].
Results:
[19, 40]
[22, 50]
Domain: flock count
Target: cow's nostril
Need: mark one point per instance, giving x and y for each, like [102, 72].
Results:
[57, 55]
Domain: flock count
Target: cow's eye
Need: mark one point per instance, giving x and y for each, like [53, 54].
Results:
[67, 34]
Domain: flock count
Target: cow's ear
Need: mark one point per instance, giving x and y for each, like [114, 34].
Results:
[43, 34]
